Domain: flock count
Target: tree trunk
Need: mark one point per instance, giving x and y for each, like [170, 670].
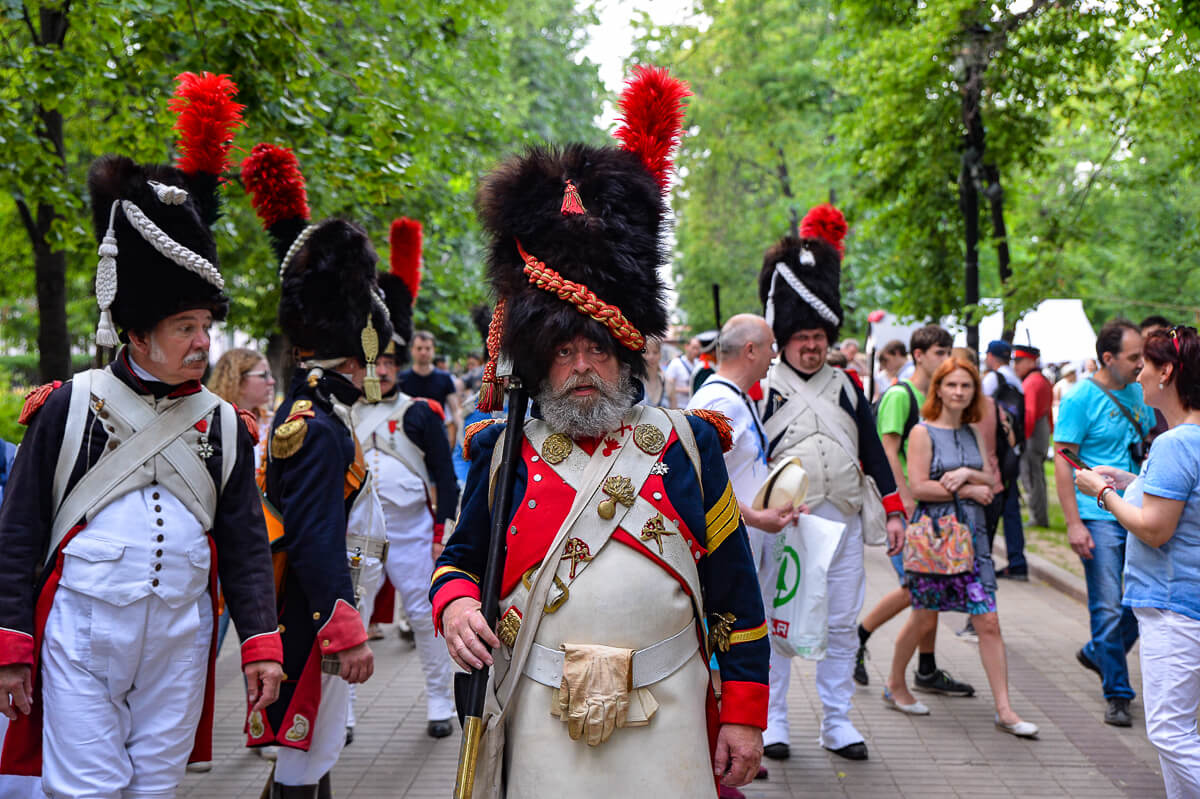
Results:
[968, 201]
[995, 195]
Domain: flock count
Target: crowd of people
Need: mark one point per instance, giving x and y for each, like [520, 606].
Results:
[156, 500]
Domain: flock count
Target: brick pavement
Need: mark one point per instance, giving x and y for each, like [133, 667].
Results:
[956, 751]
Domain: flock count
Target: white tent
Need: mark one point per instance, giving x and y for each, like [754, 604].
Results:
[1059, 328]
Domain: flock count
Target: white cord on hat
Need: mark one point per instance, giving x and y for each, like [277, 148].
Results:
[798, 286]
[295, 248]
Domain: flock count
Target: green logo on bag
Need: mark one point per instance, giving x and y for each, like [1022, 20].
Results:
[789, 578]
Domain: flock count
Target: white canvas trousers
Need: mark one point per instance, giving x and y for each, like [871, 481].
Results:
[847, 587]
[296, 767]
[123, 688]
[1171, 692]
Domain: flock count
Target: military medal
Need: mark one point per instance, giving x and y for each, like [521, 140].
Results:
[556, 448]
[649, 439]
[619, 489]
[205, 448]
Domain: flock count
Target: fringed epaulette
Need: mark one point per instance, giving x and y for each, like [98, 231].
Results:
[288, 437]
[250, 420]
[720, 423]
[472, 429]
[34, 401]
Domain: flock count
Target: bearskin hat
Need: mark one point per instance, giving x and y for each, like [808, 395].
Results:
[158, 255]
[576, 235]
[800, 282]
[329, 289]
[401, 283]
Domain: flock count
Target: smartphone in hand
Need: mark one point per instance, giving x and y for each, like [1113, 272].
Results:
[1072, 457]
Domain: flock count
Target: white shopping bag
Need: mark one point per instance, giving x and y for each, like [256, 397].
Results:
[794, 585]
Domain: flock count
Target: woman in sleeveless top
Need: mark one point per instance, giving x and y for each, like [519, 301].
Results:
[949, 475]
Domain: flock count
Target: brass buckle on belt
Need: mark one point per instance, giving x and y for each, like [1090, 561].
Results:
[557, 602]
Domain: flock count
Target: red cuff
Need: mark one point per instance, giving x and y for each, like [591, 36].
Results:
[343, 631]
[893, 504]
[744, 703]
[455, 589]
[265, 646]
[439, 531]
[16, 648]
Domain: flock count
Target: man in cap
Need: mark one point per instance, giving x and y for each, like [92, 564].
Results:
[819, 414]
[1038, 427]
[134, 486]
[601, 670]
[321, 499]
[406, 449]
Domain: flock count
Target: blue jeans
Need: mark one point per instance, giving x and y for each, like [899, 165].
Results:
[1114, 627]
[1014, 533]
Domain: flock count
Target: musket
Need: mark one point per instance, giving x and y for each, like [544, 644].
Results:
[471, 688]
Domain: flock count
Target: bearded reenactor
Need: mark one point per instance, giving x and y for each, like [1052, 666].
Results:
[133, 489]
[625, 537]
[818, 413]
[407, 452]
[317, 486]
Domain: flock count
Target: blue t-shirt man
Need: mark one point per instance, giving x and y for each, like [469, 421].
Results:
[1089, 419]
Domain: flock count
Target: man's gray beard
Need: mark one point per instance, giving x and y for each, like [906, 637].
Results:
[586, 416]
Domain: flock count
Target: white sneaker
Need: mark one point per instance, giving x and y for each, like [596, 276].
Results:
[1022, 729]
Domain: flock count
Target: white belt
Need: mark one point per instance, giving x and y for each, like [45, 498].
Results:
[654, 663]
[367, 547]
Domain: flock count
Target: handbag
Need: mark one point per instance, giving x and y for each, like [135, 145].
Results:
[942, 546]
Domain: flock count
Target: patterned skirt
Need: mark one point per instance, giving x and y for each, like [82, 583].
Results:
[964, 593]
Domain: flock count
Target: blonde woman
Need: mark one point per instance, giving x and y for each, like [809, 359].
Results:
[243, 376]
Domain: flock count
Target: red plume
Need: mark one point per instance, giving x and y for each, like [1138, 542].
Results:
[825, 222]
[652, 108]
[207, 119]
[405, 241]
[272, 177]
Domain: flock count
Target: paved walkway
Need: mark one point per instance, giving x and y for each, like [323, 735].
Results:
[954, 752]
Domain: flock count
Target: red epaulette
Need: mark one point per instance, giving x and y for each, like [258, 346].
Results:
[434, 406]
[720, 423]
[250, 420]
[471, 430]
[35, 399]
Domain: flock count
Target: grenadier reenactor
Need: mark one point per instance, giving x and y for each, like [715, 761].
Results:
[409, 457]
[625, 536]
[817, 413]
[317, 486]
[133, 489]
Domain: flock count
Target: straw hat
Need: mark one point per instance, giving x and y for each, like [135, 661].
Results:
[786, 486]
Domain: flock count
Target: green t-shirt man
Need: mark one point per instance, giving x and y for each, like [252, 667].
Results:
[895, 413]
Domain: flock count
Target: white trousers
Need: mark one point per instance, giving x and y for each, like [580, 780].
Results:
[1171, 693]
[370, 580]
[122, 692]
[295, 767]
[835, 674]
[409, 567]
[12, 787]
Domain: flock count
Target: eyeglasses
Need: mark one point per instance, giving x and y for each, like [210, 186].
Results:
[265, 374]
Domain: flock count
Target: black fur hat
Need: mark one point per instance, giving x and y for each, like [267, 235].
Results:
[814, 261]
[149, 285]
[594, 216]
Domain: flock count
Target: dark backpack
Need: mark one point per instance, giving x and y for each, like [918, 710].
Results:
[913, 413]
[1010, 428]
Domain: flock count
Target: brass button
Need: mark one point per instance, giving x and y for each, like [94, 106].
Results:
[282, 628]
[111, 429]
[316, 616]
[158, 553]
[153, 482]
[157, 567]
[112, 444]
[154, 495]
[154, 582]
[158, 508]
[160, 538]
[158, 522]
[325, 642]
[104, 415]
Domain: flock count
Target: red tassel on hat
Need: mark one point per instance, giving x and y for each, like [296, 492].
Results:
[572, 204]
[207, 119]
[405, 240]
[652, 105]
[825, 222]
[272, 176]
[491, 393]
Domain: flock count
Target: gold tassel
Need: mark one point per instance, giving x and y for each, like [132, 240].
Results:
[370, 346]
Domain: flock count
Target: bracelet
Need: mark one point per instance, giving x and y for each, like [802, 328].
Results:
[1100, 497]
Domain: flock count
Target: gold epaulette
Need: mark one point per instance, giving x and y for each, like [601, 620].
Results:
[288, 437]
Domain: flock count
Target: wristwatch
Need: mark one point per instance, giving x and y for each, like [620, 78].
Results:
[1100, 497]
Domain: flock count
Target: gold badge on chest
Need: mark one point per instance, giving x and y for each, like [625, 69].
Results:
[619, 489]
[649, 439]
[556, 448]
[654, 529]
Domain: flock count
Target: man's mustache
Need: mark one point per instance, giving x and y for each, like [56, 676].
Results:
[196, 357]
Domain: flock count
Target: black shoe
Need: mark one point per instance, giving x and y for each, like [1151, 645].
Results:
[349, 735]
[405, 631]
[779, 751]
[860, 666]
[439, 728]
[941, 683]
[1009, 573]
[856, 751]
[1117, 713]
[1087, 663]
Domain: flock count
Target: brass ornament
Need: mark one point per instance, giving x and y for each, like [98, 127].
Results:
[300, 406]
[288, 438]
[577, 552]
[556, 448]
[649, 439]
[299, 729]
[314, 377]
[510, 625]
[619, 489]
[257, 729]
[719, 632]
[654, 529]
